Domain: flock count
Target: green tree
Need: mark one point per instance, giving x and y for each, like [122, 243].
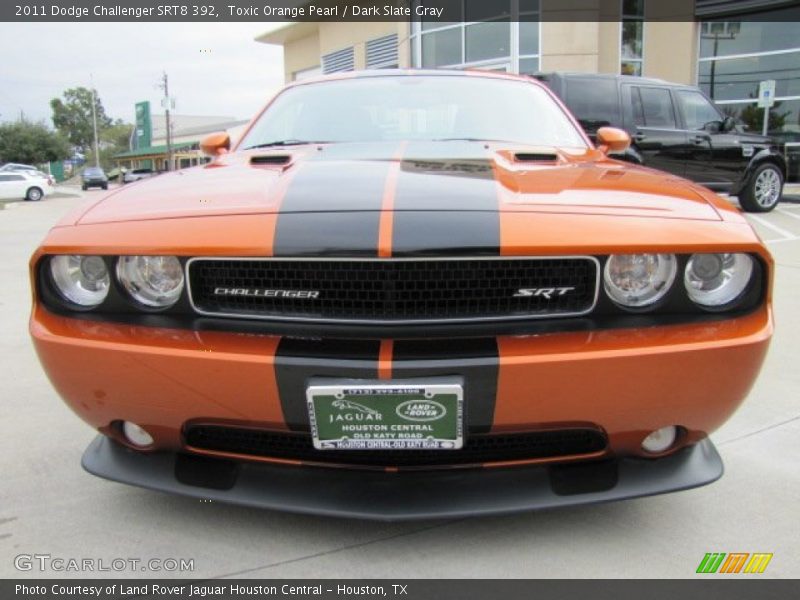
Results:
[113, 140]
[72, 116]
[31, 143]
[753, 117]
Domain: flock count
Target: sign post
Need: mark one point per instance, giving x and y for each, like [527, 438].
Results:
[766, 99]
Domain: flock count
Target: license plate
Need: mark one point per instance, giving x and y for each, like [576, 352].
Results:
[392, 415]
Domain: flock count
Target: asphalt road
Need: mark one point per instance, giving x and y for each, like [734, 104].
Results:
[48, 505]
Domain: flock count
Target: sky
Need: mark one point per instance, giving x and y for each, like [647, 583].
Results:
[213, 68]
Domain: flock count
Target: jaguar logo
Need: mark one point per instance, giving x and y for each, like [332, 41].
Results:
[421, 410]
[548, 293]
[264, 293]
[350, 405]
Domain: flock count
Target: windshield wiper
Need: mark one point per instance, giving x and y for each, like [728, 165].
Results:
[277, 143]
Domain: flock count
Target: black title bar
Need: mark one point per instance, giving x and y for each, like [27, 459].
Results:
[355, 11]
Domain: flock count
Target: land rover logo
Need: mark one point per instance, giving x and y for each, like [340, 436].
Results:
[262, 293]
[421, 410]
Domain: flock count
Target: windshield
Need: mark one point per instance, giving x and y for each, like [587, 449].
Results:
[94, 171]
[420, 107]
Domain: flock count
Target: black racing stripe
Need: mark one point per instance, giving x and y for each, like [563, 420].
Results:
[344, 234]
[297, 360]
[476, 360]
[446, 202]
[332, 207]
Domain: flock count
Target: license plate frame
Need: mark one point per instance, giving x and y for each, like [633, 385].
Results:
[394, 415]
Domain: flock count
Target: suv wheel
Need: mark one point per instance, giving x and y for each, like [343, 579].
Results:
[34, 194]
[763, 191]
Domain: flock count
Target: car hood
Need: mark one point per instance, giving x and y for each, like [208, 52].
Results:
[439, 176]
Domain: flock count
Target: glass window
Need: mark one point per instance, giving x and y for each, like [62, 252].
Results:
[697, 110]
[452, 8]
[657, 108]
[593, 101]
[738, 78]
[631, 67]
[632, 37]
[529, 37]
[633, 8]
[483, 40]
[784, 118]
[440, 48]
[636, 104]
[528, 66]
[488, 40]
[480, 10]
[393, 108]
[775, 30]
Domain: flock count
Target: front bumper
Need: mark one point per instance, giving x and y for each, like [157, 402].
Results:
[404, 495]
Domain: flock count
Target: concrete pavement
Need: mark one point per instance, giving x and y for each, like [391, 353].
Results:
[48, 505]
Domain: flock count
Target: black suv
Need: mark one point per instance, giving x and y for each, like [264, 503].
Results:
[94, 177]
[677, 128]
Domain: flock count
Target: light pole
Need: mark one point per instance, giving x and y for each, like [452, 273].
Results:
[94, 121]
[164, 85]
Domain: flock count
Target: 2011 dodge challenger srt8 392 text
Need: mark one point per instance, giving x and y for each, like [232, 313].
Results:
[406, 294]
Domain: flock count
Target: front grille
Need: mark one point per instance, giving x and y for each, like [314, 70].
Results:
[478, 449]
[394, 290]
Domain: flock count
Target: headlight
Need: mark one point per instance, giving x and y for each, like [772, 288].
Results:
[155, 281]
[82, 280]
[639, 280]
[714, 280]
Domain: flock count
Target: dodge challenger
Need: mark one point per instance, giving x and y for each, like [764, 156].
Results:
[405, 294]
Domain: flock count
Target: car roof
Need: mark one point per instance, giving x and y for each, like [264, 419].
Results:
[17, 167]
[369, 73]
[622, 78]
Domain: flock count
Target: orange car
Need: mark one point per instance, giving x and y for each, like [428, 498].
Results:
[406, 294]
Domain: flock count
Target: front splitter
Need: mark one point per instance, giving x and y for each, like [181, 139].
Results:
[407, 495]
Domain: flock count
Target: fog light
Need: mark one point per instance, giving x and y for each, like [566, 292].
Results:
[660, 439]
[136, 435]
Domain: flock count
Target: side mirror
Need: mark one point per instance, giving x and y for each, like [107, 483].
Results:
[216, 144]
[612, 140]
[728, 124]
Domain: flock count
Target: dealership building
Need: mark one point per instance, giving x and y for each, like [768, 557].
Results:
[725, 47]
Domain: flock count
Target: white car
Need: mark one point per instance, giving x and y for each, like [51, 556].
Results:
[19, 185]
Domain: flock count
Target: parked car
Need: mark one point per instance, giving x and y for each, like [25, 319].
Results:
[137, 174]
[24, 185]
[93, 177]
[678, 129]
[406, 294]
[17, 167]
[42, 175]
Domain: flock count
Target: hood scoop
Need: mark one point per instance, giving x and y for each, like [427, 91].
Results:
[536, 157]
[271, 159]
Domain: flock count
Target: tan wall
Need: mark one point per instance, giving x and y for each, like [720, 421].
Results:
[301, 54]
[670, 51]
[570, 46]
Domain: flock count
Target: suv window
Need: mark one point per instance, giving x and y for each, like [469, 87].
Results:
[652, 107]
[593, 101]
[697, 110]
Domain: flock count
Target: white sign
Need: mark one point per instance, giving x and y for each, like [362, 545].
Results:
[766, 93]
